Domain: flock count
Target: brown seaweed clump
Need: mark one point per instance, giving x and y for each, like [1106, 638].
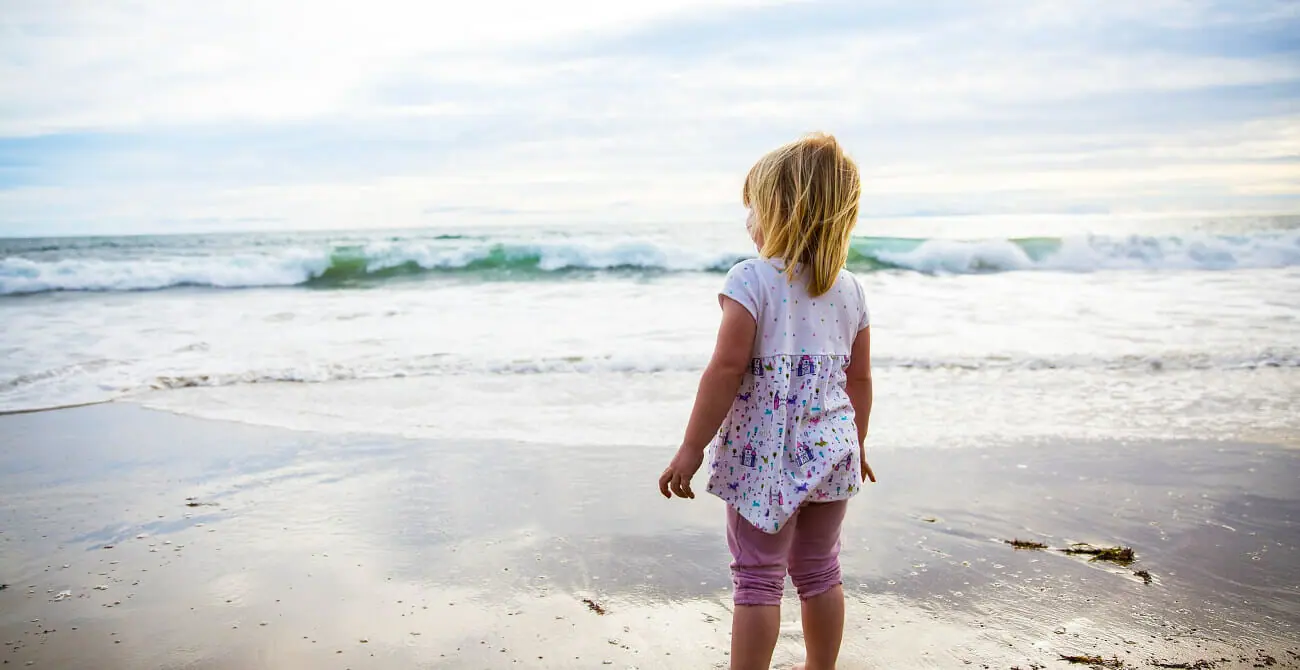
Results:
[1026, 544]
[1119, 555]
[1143, 575]
[1093, 661]
[194, 502]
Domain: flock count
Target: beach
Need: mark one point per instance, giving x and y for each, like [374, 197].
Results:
[139, 538]
[357, 335]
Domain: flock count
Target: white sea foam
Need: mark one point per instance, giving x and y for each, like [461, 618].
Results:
[1095, 253]
[124, 382]
[288, 268]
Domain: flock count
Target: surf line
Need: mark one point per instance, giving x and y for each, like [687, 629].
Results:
[38, 410]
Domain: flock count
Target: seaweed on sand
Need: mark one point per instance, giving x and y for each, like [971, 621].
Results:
[1093, 661]
[1120, 555]
[1026, 544]
[194, 502]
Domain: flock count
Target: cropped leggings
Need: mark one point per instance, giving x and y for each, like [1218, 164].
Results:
[807, 548]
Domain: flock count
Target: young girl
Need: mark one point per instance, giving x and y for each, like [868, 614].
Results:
[785, 399]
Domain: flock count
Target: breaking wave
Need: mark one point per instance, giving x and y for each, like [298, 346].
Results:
[336, 266]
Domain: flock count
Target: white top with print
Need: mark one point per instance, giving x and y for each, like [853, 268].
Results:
[789, 437]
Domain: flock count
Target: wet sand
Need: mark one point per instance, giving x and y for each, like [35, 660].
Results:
[137, 539]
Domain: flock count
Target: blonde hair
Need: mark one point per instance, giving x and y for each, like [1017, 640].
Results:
[805, 198]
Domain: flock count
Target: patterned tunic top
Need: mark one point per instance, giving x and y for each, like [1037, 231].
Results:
[789, 437]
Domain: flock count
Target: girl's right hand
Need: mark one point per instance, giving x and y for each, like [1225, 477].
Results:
[676, 480]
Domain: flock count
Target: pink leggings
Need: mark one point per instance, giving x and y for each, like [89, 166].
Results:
[807, 546]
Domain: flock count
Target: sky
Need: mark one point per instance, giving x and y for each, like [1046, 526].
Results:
[186, 116]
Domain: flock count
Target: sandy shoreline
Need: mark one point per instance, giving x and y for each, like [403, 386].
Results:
[244, 547]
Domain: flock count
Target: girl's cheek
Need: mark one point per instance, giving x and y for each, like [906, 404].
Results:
[755, 232]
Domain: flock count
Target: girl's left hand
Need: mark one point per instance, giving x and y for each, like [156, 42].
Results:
[866, 469]
[676, 480]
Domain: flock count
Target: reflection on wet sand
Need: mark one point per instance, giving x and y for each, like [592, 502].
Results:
[312, 551]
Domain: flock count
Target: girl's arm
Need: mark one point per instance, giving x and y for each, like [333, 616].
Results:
[726, 370]
[858, 387]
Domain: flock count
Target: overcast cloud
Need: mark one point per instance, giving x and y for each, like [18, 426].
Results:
[119, 117]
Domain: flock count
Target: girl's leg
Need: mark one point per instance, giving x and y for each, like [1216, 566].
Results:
[815, 570]
[823, 629]
[758, 572]
[754, 629]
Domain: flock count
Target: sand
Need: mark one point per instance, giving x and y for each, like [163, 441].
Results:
[139, 539]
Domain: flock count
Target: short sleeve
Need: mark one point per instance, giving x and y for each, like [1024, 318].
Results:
[865, 320]
[743, 285]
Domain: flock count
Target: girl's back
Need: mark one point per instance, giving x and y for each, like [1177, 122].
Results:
[790, 321]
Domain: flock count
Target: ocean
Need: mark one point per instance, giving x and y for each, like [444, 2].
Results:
[985, 330]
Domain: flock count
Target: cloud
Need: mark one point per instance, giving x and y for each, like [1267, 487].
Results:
[89, 65]
[150, 115]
